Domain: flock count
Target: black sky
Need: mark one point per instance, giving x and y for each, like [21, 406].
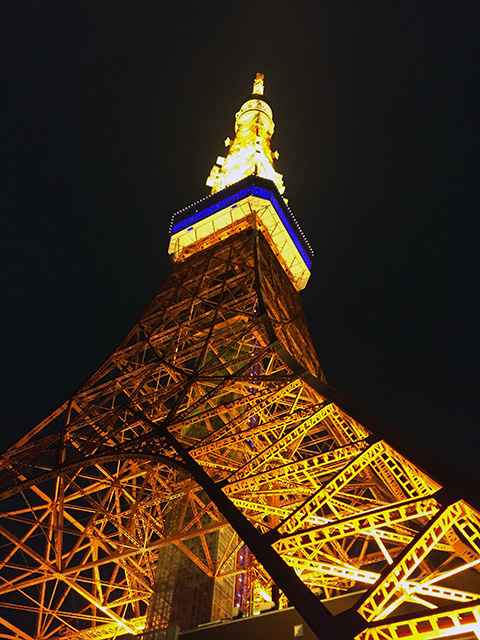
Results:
[113, 114]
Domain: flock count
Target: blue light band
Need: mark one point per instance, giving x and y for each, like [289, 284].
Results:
[253, 190]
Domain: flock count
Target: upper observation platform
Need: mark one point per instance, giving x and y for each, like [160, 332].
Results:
[246, 192]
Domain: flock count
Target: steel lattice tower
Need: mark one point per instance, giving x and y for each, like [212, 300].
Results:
[207, 464]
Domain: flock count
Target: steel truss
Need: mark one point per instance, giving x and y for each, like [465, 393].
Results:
[213, 414]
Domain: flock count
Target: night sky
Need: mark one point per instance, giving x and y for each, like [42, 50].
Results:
[113, 114]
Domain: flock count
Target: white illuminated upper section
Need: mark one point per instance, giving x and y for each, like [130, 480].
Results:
[250, 152]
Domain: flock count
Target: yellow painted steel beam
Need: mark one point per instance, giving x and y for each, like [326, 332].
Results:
[223, 437]
[317, 465]
[105, 631]
[444, 623]
[285, 441]
[389, 592]
[371, 577]
[314, 503]
[367, 522]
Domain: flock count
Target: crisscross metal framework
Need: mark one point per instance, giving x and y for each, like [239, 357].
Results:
[214, 415]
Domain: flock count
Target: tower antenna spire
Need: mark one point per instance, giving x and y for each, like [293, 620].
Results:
[249, 152]
[258, 85]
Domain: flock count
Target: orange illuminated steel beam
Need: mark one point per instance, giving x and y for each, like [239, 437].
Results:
[212, 419]
[393, 587]
[367, 523]
[443, 623]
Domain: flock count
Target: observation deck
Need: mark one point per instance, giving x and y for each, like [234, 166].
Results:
[251, 201]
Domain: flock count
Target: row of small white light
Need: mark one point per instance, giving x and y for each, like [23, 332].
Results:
[177, 213]
[244, 192]
[299, 228]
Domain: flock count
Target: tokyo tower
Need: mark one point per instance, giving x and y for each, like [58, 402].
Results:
[207, 471]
